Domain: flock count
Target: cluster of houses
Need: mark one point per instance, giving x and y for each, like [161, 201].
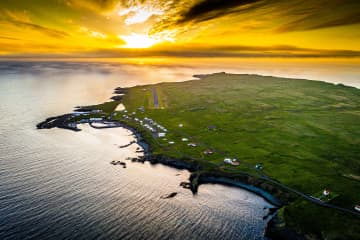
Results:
[160, 131]
[155, 128]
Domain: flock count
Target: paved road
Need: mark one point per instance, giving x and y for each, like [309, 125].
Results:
[266, 178]
[310, 198]
[156, 99]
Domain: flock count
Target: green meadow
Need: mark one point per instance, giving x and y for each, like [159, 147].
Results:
[306, 135]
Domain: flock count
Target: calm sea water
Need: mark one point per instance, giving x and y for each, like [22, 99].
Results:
[58, 184]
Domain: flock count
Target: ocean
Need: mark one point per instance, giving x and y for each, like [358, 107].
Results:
[59, 184]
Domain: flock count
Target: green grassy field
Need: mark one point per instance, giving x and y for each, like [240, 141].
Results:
[305, 133]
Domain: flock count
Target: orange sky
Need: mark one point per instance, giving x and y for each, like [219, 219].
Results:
[200, 28]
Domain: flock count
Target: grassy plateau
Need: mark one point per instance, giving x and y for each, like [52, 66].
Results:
[305, 134]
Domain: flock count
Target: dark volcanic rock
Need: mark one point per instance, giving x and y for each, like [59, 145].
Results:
[62, 121]
[171, 195]
[274, 230]
[116, 97]
[185, 185]
[120, 90]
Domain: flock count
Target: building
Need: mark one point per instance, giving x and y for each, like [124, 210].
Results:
[171, 142]
[212, 127]
[161, 134]
[326, 192]
[192, 145]
[208, 152]
[235, 162]
[80, 113]
[357, 208]
[228, 160]
[184, 139]
[96, 119]
[84, 120]
[96, 111]
[181, 125]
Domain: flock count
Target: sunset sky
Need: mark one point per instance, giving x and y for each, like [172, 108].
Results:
[195, 28]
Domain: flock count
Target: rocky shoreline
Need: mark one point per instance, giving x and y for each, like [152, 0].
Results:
[275, 227]
[62, 121]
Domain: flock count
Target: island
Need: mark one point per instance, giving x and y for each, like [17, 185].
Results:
[295, 142]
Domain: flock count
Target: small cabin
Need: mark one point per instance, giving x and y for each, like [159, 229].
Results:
[161, 134]
[357, 208]
[208, 152]
[212, 127]
[96, 119]
[228, 160]
[326, 192]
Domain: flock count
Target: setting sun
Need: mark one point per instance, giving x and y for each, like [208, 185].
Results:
[139, 41]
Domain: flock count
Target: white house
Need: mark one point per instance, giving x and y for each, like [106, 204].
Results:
[171, 142]
[95, 119]
[228, 160]
[184, 139]
[357, 208]
[181, 125]
[326, 192]
[231, 161]
[192, 145]
[161, 134]
[208, 151]
[235, 162]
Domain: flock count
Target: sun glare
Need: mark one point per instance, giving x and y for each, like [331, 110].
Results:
[139, 41]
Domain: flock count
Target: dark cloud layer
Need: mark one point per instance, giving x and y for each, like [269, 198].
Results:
[210, 9]
[287, 16]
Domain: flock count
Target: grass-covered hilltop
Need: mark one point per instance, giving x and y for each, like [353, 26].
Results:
[296, 139]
